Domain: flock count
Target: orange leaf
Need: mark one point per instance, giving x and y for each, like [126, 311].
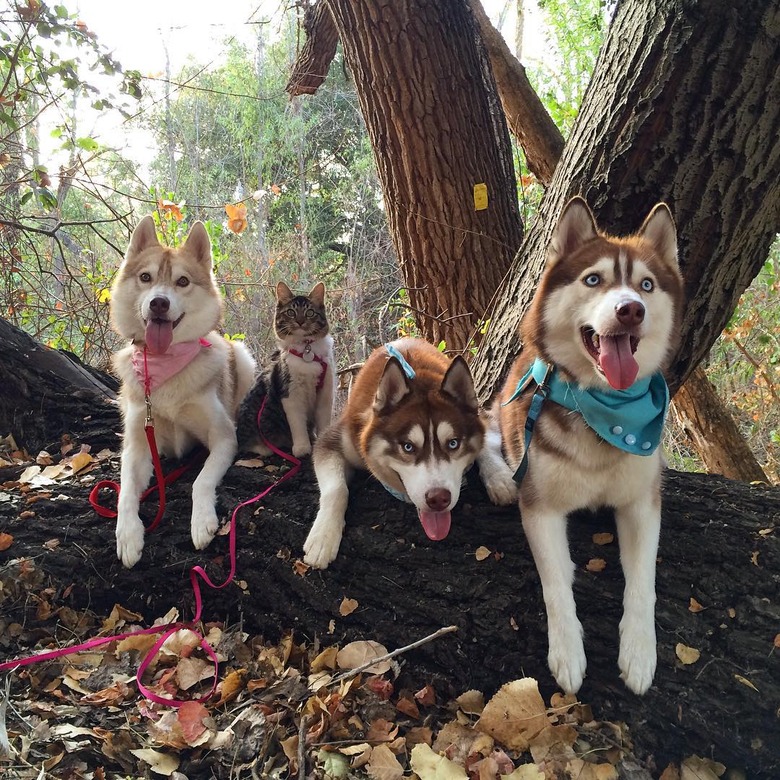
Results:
[596, 564]
[191, 715]
[6, 540]
[408, 707]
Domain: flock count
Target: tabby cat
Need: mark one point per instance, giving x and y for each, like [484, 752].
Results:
[299, 382]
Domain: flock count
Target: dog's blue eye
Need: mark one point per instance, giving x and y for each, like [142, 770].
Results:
[592, 280]
[453, 444]
[407, 446]
[182, 281]
[145, 277]
[647, 285]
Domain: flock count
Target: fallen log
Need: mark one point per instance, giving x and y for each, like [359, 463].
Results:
[719, 546]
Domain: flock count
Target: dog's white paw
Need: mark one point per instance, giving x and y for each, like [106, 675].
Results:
[500, 486]
[204, 525]
[129, 539]
[322, 543]
[566, 654]
[637, 658]
[301, 449]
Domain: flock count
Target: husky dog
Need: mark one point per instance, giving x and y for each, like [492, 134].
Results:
[299, 383]
[602, 327]
[166, 303]
[412, 420]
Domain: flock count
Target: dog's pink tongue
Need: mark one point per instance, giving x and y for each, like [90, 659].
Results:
[435, 524]
[617, 361]
[158, 336]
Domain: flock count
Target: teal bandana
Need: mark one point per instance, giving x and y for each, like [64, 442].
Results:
[631, 420]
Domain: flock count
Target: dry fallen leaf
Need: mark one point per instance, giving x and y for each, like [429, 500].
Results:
[745, 681]
[160, 763]
[426, 763]
[696, 768]
[6, 540]
[515, 715]
[357, 653]
[694, 606]
[603, 538]
[347, 606]
[482, 553]
[596, 564]
[687, 655]
[383, 765]
[777, 641]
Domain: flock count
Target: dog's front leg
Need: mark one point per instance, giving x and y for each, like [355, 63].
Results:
[333, 473]
[135, 472]
[494, 471]
[546, 534]
[222, 446]
[323, 406]
[638, 527]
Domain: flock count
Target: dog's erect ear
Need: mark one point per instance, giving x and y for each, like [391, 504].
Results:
[198, 244]
[283, 294]
[144, 236]
[659, 230]
[317, 295]
[576, 226]
[459, 384]
[393, 387]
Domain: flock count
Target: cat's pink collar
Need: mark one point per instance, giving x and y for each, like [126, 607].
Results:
[153, 370]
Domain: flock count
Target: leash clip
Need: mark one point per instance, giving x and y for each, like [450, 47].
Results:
[149, 416]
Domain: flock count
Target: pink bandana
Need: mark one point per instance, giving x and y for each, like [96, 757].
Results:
[153, 370]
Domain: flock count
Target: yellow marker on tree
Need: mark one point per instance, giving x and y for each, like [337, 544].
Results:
[480, 197]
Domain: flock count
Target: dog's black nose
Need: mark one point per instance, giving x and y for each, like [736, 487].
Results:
[159, 306]
[438, 499]
[630, 313]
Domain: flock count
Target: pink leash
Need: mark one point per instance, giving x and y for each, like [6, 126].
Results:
[196, 573]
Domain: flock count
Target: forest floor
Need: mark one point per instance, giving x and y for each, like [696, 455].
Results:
[283, 701]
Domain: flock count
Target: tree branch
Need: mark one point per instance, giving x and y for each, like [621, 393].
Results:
[528, 119]
[314, 60]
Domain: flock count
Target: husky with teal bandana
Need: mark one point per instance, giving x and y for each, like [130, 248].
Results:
[581, 417]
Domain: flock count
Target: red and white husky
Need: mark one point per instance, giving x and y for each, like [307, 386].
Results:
[601, 328]
[412, 420]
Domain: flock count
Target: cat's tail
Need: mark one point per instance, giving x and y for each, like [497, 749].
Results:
[246, 422]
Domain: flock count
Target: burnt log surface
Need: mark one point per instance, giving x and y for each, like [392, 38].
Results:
[719, 546]
[46, 393]
[715, 547]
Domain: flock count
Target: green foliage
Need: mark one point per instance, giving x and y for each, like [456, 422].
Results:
[574, 33]
[744, 365]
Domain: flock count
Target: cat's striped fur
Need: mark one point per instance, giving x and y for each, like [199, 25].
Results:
[299, 380]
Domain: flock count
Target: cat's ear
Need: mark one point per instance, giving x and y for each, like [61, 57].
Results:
[283, 293]
[317, 295]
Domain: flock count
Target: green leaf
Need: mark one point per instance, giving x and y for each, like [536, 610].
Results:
[87, 144]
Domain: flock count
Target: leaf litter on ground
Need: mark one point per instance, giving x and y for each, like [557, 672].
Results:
[284, 709]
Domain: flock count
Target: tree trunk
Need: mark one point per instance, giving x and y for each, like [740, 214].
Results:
[47, 393]
[683, 106]
[708, 423]
[713, 432]
[428, 98]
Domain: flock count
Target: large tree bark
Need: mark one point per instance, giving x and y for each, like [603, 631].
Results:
[45, 392]
[683, 106]
[429, 101]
